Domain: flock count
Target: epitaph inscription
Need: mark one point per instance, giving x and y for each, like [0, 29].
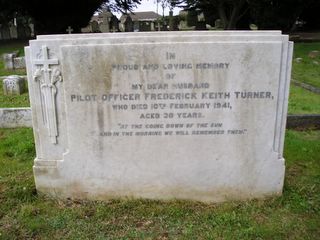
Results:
[172, 108]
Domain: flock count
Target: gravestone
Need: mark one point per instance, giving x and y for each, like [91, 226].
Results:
[13, 85]
[114, 24]
[105, 24]
[5, 32]
[31, 27]
[95, 26]
[69, 30]
[21, 29]
[8, 59]
[192, 115]
[218, 24]
[126, 23]
[13, 32]
[19, 62]
[11, 61]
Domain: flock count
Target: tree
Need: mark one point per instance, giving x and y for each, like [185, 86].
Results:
[310, 16]
[267, 14]
[57, 15]
[123, 6]
[277, 14]
[229, 11]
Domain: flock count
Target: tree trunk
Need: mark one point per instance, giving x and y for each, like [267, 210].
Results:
[222, 14]
[235, 13]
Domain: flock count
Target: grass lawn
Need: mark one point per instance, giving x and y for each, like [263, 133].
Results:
[306, 71]
[302, 101]
[25, 215]
[7, 47]
[15, 100]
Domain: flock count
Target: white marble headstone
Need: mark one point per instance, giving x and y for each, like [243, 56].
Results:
[192, 115]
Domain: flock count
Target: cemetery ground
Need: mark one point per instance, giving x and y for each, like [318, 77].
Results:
[8, 47]
[24, 214]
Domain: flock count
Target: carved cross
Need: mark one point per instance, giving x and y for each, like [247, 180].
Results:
[48, 78]
[69, 30]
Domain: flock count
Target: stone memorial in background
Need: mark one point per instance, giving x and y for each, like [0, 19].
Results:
[94, 26]
[126, 23]
[19, 63]
[180, 115]
[105, 24]
[12, 61]
[13, 85]
[13, 31]
[8, 60]
[5, 32]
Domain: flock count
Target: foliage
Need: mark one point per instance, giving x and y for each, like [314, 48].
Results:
[56, 16]
[26, 215]
[310, 16]
[122, 6]
[277, 14]
[229, 11]
[267, 14]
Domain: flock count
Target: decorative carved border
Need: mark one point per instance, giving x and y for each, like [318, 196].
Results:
[48, 77]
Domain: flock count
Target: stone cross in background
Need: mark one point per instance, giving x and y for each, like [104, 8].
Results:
[69, 30]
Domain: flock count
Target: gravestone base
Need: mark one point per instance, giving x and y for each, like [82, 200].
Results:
[51, 182]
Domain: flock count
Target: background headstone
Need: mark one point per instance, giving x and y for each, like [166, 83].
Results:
[13, 32]
[218, 24]
[31, 26]
[8, 60]
[19, 62]
[105, 24]
[95, 27]
[126, 23]
[114, 24]
[5, 32]
[13, 85]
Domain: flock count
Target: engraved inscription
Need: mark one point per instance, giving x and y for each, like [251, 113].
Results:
[171, 107]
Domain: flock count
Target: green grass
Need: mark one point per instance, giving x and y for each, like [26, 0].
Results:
[14, 100]
[25, 215]
[306, 71]
[302, 101]
[8, 47]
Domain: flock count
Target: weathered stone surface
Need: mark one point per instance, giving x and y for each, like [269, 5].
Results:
[314, 54]
[15, 117]
[11, 61]
[13, 85]
[19, 62]
[8, 60]
[179, 115]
